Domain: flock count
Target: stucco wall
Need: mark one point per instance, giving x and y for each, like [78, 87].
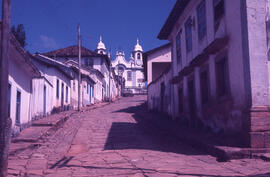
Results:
[37, 102]
[221, 114]
[19, 81]
[159, 56]
[53, 74]
[154, 94]
[87, 95]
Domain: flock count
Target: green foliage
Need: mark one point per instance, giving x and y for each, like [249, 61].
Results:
[19, 33]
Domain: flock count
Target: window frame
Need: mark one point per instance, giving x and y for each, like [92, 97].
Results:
[9, 98]
[89, 62]
[66, 94]
[129, 78]
[178, 47]
[217, 18]
[188, 34]
[57, 88]
[201, 20]
[18, 113]
[223, 57]
[205, 98]
[138, 56]
[180, 104]
[74, 85]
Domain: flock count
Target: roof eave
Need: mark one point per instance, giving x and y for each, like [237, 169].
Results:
[176, 12]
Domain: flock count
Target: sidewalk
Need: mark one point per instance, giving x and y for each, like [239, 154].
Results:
[30, 137]
[220, 146]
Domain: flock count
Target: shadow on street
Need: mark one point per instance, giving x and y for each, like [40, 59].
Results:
[143, 135]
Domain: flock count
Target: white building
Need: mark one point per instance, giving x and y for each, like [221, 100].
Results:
[157, 64]
[156, 61]
[95, 65]
[131, 71]
[220, 74]
[57, 95]
[21, 73]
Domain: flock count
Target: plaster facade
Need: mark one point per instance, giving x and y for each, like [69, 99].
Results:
[157, 61]
[58, 85]
[220, 75]
[21, 73]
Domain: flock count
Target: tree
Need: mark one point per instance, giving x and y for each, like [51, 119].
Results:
[19, 33]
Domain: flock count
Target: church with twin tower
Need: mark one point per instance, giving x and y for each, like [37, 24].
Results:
[131, 71]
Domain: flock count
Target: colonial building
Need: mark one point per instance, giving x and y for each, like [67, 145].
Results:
[220, 73]
[157, 64]
[131, 71]
[92, 62]
[21, 73]
[57, 96]
[156, 61]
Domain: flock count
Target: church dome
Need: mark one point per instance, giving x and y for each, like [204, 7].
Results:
[101, 45]
[138, 47]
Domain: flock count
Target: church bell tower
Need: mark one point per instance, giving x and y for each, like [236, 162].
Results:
[138, 54]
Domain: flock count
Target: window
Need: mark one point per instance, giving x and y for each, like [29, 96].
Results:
[18, 107]
[89, 62]
[44, 100]
[129, 77]
[222, 76]
[57, 88]
[180, 100]
[192, 97]
[9, 98]
[201, 17]
[139, 56]
[74, 85]
[218, 11]
[62, 94]
[204, 84]
[87, 89]
[188, 33]
[178, 48]
[66, 94]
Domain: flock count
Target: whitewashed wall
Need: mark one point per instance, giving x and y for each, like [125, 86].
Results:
[154, 94]
[53, 74]
[19, 81]
[37, 105]
[162, 55]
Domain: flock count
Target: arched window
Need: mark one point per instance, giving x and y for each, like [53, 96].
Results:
[138, 56]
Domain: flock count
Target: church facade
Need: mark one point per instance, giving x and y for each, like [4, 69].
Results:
[131, 72]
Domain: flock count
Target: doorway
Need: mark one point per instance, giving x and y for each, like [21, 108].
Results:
[44, 100]
[62, 95]
[18, 107]
[192, 101]
[162, 93]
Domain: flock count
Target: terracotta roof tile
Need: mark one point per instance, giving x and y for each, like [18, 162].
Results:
[73, 51]
[70, 51]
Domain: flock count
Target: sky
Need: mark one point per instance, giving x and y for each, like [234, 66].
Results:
[52, 24]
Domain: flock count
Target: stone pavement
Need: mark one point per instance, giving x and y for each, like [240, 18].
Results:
[114, 141]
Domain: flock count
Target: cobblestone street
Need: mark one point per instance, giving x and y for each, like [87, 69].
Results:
[113, 141]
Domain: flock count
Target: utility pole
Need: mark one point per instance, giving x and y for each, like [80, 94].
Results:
[79, 62]
[118, 81]
[5, 121]
[110, 78]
